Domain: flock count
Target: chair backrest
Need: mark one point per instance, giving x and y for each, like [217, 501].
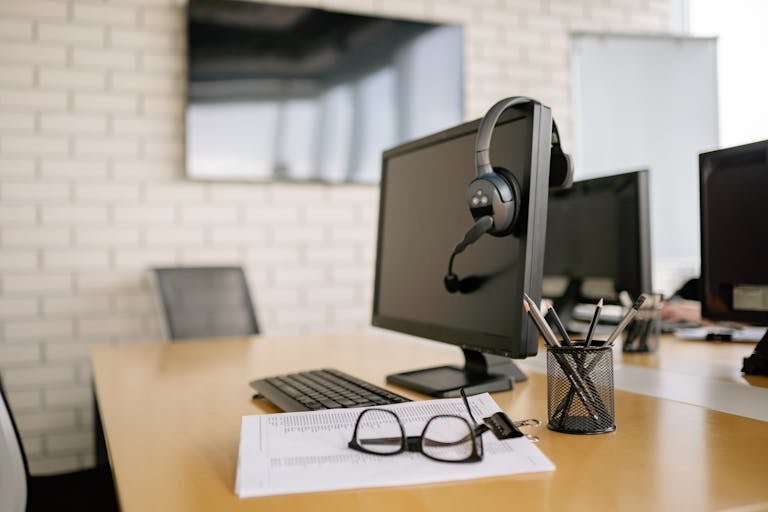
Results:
[205, 302]
[13, 465]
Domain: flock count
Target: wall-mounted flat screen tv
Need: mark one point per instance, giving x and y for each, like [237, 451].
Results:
[302, 94]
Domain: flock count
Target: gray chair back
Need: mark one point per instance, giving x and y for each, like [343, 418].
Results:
[205, 302]
[13, 473]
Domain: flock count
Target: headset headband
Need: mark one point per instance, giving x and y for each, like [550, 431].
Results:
[485, 130]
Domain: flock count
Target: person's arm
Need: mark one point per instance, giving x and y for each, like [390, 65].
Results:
[685, 303]
[681, 310]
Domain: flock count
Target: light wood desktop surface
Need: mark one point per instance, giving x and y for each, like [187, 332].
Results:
[171, 414]
[719, 360]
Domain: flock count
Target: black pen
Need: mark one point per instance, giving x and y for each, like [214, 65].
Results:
[593, 323]
[624, 321]
[552, 317]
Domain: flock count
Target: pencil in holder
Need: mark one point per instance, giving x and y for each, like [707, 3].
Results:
[643, 332]
[580, 389]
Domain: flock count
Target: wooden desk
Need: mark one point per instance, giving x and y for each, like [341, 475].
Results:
[713, 359]
[171, 413]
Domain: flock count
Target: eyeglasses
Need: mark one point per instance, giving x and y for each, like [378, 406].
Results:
[446, 437]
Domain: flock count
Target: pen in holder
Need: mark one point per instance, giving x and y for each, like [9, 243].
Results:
[643, 332]
[580, 388]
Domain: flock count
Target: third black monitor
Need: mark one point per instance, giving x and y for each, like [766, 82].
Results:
[734, 240]
[734, 233]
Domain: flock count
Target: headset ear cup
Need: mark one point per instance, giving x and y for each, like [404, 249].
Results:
[560, 169]
[513, 206]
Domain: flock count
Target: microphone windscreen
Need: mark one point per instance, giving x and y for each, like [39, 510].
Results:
[451, 282]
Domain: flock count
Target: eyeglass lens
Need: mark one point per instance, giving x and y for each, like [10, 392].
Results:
[379, 431]
[447, 438]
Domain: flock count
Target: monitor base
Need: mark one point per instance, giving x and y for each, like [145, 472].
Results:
[482, 373]
[757, 363]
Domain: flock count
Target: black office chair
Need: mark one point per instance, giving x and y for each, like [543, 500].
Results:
[205, 302]
[84, 490]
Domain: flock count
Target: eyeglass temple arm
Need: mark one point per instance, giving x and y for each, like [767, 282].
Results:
[413, 441]
[466, 404]
[380, 440]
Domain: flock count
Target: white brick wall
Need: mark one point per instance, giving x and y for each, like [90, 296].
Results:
[92, 188]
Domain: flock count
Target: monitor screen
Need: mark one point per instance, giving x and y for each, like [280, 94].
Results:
[423, 214]
[278, 92]
[598, 239]
[734, 233]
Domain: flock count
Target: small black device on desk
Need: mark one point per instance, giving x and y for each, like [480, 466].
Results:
[322, 389]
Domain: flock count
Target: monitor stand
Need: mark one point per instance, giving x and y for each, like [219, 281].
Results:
[757, 363]
[481, 373]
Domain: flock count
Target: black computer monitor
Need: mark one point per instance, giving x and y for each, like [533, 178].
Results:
[598, 243]
[423, 213]
[733, 184]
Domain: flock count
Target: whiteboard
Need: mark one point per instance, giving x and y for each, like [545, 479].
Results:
[649, 102]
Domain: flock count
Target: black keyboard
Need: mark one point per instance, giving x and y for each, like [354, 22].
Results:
[322, 389]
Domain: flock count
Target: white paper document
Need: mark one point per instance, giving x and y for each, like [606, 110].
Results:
[307, 451]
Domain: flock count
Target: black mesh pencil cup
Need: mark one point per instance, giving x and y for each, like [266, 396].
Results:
[580, 389]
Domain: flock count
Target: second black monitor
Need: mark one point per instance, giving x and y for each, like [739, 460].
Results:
[598, 241]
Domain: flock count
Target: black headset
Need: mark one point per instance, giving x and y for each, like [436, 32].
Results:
[494, 196]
